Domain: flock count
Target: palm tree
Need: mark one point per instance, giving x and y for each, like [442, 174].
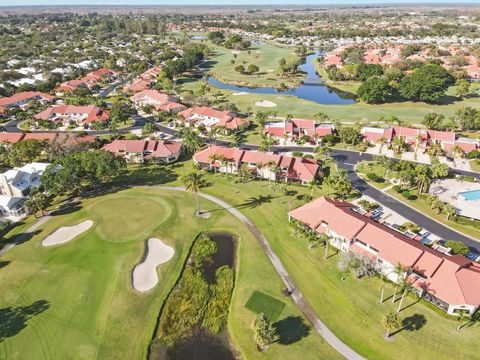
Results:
[449, 210]
[406, 287]
[321, 117]
[214, 158]
[382, 288]
[382, 142]
[457, 152]
[390, 322]
[398, 144]
[398, 270]
[272, 168]
[37, 202]
[261, 118]
[267, 143]
[322, 152]
[326, 238]
[437, 204]
[194, 183]
[313, 185]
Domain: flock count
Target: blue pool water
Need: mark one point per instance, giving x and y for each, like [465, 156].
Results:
[470, 195]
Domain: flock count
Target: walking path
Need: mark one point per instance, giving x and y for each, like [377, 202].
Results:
[297, 296]
[21, 238]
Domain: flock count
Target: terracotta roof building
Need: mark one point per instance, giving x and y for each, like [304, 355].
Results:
[211, 118]
[261, 164]
[159, 101]
[80, 115]
[297, 128]
[140, 150]
[21, 99]
[451, 283]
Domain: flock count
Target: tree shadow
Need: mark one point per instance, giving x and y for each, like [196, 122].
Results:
[291, 329]
[256, 201]
[14, 319]
[4, 263]
[24, 237]
[414, 322]
[67, 208]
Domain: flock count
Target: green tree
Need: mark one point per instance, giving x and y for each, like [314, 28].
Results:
[390, 321]
[427, 83]
[37, 202]
[194, 182]
[191, 140]
[374, 90]
[462, 88]
[120, 111]
[449, 211]
[433, 121]
[263, 331]
[457, 247]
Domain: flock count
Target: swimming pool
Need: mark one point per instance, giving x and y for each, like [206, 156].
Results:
[470, 195]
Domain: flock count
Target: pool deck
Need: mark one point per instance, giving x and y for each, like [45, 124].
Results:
[448, 190]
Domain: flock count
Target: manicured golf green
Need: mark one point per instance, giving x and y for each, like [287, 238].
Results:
[263, 303]
[76, 300]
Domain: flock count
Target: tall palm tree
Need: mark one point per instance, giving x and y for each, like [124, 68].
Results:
[194, 183]
[398, 270]
[321, 152]
[321, 117]
[382, 142]
[437, 204]
[214, 158]
[313, 185]
[390, 322]
[449, 210]
[406, 288]
[382, 288]
[457, 152]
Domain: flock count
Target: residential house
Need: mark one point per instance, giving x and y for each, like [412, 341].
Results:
[89, 81]
[10, 138]
[143, 81]
[159, 101]
[294, 129]
[419, 138]
[72, 114]
[261, 164]
[210, 118]
[139, 151]
[15, 186]
[21, 99]
[451, 283]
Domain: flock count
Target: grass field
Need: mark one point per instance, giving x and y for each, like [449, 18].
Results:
[349, 307]
[260, 302]
[76, 300]
[265, 56]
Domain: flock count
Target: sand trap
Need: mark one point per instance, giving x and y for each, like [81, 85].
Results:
[236, 52]
[240, 93]
[145, 274]
[66, 233]
[265, 103]
[270, 70]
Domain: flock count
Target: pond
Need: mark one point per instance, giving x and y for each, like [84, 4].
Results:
[313, 88]
[200, 343]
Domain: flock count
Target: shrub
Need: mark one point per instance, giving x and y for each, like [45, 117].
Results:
[406, 194]
[397, 188]
[297, 153]
[373, 177]
[457, 247]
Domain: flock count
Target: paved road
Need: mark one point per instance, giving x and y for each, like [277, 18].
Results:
[347, 160]
[297, 296]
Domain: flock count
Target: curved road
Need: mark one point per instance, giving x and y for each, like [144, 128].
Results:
[297, 296]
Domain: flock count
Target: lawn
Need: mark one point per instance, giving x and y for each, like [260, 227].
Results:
[365, 168]
[349, 307]
[77, 298]
[265, 56]
[263, 303]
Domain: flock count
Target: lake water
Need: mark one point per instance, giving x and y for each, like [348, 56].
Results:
[312, 89]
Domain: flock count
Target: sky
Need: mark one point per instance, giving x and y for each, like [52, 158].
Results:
[224, 2]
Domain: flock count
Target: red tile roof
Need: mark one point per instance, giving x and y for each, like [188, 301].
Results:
[297, 168]
[224, 118]
[25, 95]
[454, 279]
[11, 138]
[151, 148]
[93, 112]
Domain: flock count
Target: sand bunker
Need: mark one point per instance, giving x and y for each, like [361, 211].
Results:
[145, 274]
[265, 103]
[236, 52]
[66, 233]
[240, 93]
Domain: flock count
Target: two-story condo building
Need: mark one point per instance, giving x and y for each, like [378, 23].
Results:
[451, 283]
[293, 129]
[21, 99]
[159, 101]
[139, 151]
[78, 115]
[261, 164]
[211, 118]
